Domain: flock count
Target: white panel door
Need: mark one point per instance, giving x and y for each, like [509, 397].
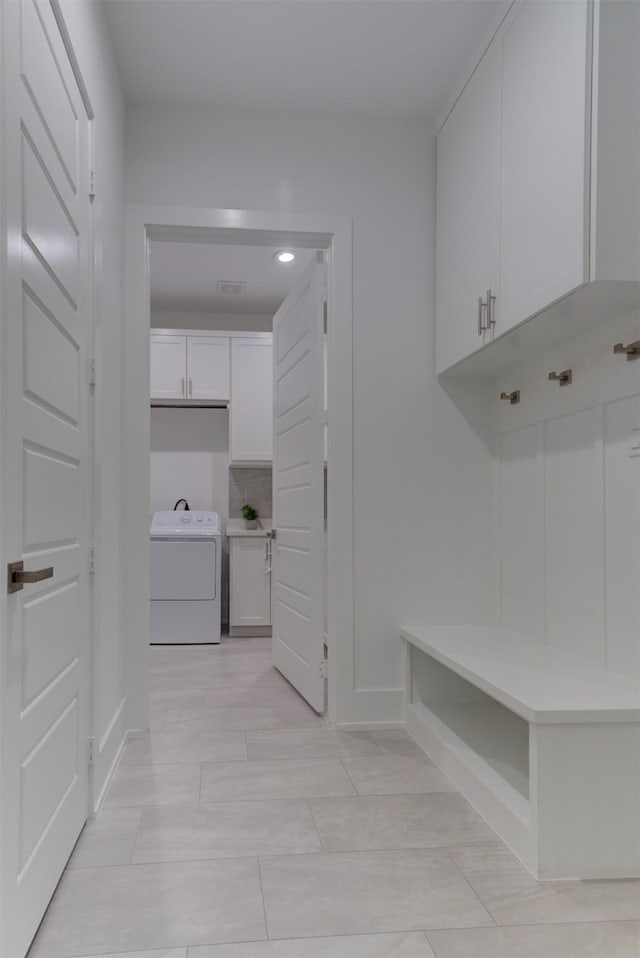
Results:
[251, 405]
[45, 467]
[168, 367]
[298, 487]
[208, 367]
[544, 157]
[468, 220]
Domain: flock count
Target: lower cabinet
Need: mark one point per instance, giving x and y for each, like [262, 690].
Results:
[250, 582]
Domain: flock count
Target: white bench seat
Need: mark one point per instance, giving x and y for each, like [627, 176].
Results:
[544, 744]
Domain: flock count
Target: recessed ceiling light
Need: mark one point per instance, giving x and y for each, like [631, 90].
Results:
[285, 256]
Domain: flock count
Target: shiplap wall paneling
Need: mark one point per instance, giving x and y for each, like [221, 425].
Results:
[521, 531]
[574, 540]
[622, 525]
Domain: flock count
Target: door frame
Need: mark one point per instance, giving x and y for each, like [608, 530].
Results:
[333, 234]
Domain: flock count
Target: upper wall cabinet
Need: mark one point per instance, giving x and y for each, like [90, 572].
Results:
[539, 186]
[251, 406]
[189, 368]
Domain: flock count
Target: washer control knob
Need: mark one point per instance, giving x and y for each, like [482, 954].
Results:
[185, 519]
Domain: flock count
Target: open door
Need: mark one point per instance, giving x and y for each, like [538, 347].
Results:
[45, 438]
[298, 487]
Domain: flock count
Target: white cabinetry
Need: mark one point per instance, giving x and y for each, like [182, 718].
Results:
[251, 405]
[189, 368]
[468, 230]
[250, 582]
[551, 115]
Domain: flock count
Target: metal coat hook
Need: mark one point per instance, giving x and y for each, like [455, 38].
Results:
[565, 378]
[513, 397]
[632, 351]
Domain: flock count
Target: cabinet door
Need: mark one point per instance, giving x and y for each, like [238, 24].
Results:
[168, 367]
[251, 405]
[545, 129]
[250, 582]
[208, 367]
[468, 196]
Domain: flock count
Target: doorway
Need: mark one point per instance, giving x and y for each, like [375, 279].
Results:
[331, 235]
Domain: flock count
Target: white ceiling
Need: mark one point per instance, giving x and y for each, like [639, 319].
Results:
[394, 57]
[184, 277]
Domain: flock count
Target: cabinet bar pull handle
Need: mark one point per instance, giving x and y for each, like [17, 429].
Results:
[490, 317]
[481, 308]
[190, 386]
[182, 386]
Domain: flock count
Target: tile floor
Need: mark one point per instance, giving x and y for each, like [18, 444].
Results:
[243, 826]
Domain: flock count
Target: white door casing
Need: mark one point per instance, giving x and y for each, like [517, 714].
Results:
[45, 468]
[298, 487]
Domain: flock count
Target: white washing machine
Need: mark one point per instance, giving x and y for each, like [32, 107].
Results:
[186, 561]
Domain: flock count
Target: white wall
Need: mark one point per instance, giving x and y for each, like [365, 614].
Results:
[568, 494]
[420, 470]
[89, 35]
[170, 319]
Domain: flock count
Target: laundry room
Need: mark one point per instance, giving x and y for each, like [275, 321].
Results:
[211, 359]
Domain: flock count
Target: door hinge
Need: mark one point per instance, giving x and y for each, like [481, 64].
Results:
[92, 746]
[91, 375]
[92, 185]
[92, 560]
[324, 669]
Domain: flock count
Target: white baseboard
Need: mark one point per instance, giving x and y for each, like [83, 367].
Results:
[108, 756]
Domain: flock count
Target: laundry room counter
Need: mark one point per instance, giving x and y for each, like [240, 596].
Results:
[236, 527]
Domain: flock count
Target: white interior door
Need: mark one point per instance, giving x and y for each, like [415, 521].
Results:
[298, 487]
[45, 467]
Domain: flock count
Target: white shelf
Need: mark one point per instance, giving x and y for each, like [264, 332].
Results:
[541, 684]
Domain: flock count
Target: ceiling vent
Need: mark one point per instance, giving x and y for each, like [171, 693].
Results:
[228, 287]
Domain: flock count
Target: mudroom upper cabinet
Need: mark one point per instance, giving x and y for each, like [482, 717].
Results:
[468, 227]
[539, 185]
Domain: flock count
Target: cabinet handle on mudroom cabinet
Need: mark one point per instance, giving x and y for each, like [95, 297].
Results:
[481, 308]
[182, 386]
[490, 317]
[190, 386]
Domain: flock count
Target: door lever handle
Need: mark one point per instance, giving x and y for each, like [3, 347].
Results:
[16, 576]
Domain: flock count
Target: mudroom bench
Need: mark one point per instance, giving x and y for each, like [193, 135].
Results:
[545, 745]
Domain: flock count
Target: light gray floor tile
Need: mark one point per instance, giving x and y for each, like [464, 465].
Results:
[107, 841]
[397, 821]
[154, 785]
[357, 743]
[162, 953]
[412, 944]
[244, 717]
[138, 907]
[226, 830]
[227, 673]
[361, 893]
[308, 743]
[589, 940]
[396, 740]
[301, 778]
[184, 745]
[514, 897]
[395, 774]
[277, 696]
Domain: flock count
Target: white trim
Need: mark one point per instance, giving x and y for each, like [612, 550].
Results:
[110, 751]
[333, 233]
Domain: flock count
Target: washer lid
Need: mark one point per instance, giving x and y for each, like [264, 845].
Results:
[193, 523]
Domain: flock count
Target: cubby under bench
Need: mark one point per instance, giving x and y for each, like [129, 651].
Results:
[543, 744]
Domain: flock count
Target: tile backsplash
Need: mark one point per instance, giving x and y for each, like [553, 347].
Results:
[252, 486]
